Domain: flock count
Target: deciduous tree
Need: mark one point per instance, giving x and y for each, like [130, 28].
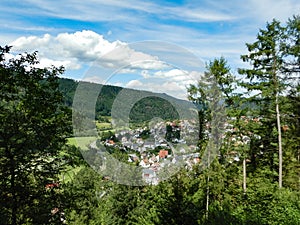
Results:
[34, 126]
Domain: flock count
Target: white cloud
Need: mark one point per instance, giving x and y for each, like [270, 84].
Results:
[135, 84]
[74, 49]
[94, 79]
[44, 62]
[181, 77]
[194, 11]
[31, 43]
[196, 14]
[162, 86]
[266, 10]
[154, 64]
[171, 73]
[145, 74]
[230, 43]
[116, 10]
[172, 82]
[126, 70]
[85, 45]
[140, 20]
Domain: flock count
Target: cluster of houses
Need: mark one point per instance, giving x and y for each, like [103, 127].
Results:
[164, 144]
[157, 147]
[237, 139]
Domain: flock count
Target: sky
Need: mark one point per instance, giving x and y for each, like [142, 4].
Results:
[161, 46]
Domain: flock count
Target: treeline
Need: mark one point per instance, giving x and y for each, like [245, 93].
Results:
[182, 199]
[145, 105]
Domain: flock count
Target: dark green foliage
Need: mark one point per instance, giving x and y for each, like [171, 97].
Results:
[172, 132]
[151, 107]
[273, 57]
[67, 87]
[34, 127]
[83, 197]
[144, 110]
[145, 134]
[105, 100]
[292, 47]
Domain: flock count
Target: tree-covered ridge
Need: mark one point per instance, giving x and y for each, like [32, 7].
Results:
[105, 99]
[144, 109]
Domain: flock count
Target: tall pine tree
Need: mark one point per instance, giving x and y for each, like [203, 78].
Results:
[267, 82]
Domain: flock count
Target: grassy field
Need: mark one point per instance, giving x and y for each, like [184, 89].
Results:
[81, 142]
[103, 125]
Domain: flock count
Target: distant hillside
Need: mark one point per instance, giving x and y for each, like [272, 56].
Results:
[156, 105]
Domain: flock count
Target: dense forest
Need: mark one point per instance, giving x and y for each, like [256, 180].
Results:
[156, 104]
[255, 178]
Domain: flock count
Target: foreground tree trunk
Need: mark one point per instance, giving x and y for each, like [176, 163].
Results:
[244, 176]
[207, 197]
[279, 142]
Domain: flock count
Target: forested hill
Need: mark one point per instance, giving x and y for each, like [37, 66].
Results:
[156, 105]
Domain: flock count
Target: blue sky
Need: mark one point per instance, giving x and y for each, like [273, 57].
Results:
[76, 33]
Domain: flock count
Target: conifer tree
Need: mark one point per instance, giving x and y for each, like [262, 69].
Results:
[267, 82]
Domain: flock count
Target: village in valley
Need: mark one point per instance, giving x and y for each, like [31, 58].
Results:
[157, 146]
[164, 144]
